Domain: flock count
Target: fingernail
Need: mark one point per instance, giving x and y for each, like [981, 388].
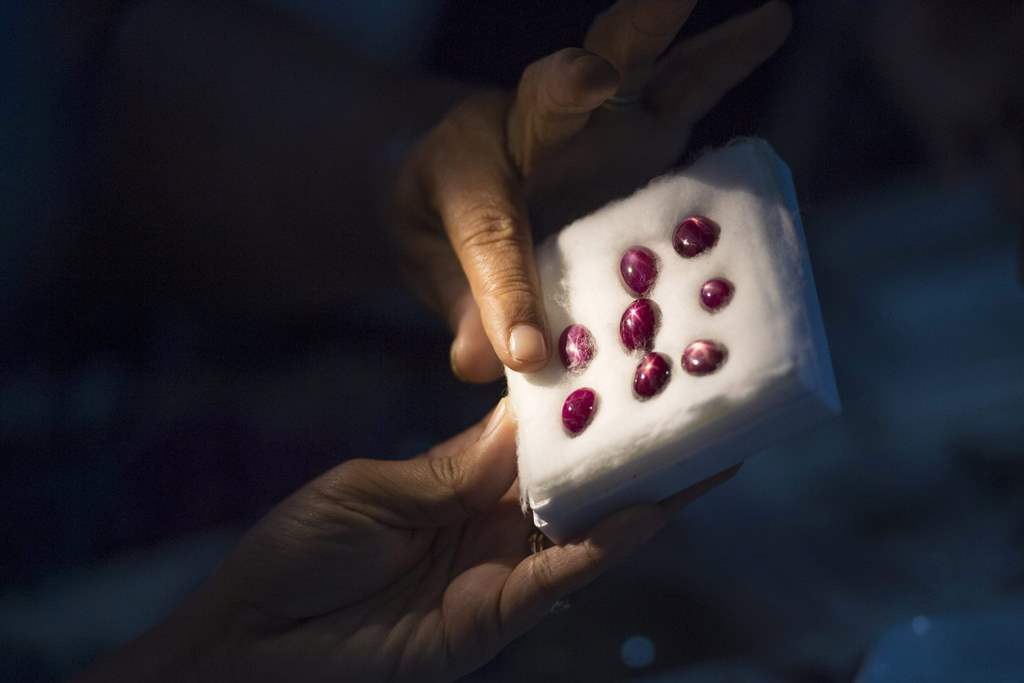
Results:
[526, 344]
[595, 71]
[497, 415]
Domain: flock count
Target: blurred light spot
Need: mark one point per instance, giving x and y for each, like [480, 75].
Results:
[920, 625]
[637, 652]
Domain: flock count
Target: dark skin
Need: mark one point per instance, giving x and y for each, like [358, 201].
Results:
[551, 152]
[420, 569]
[415, 570]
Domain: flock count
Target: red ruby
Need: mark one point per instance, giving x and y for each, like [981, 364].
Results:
[639, 269]
[576, 347]
[695, 235]
[703, 357]
[578, 410]
[715, 293]
[651, 375]
[638, 324]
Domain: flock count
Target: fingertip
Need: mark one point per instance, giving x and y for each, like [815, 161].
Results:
[528, 348]
[591, 78]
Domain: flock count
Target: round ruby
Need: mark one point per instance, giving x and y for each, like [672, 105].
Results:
[715, 293]
[578, 410]
[638, 324]
[695, 235]
[703, 357]
[576, 347]
[639, 269]
[651, 375]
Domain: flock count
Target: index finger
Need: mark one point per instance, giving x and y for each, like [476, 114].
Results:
[632, 34]
[478, 195]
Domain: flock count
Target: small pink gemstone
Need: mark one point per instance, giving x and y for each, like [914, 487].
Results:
[694, 235]
[651, 375]
[576, 347]
[715, 293]
[638, 324]
[703, 357]
[639, 269]
[578, 410]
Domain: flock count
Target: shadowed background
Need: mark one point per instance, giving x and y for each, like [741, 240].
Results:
[142, 427]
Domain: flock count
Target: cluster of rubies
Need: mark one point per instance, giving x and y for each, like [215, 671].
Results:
[639, 324]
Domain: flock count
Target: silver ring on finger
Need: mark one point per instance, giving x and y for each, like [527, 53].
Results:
[622, 102]
[537, 541]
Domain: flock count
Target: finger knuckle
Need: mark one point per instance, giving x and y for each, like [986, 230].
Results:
[342, 485]
[509, 284]
[449, 475]
[514, 305]
[346, 475]
[489, 226]
[445, 472]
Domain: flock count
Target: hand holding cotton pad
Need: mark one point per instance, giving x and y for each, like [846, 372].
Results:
[690, 339]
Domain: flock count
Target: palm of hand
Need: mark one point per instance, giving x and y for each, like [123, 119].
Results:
[434, 593]
[350, 573]
[402, 570]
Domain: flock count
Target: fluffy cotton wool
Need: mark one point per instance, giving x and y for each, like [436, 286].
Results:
[776, 379]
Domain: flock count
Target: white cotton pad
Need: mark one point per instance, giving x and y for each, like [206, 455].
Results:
[776, 378]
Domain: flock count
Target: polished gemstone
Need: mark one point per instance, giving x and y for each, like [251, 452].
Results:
[638, 324]
[639, 269]
[695, 235]
[576, 347]
[715, 293]
[651, 375]
[578, 410]
[703, 357]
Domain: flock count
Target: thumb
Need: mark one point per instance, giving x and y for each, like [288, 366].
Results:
[454, 481]
[479, 197]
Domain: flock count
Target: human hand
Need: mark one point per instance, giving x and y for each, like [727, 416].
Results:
[462, 217]
[415, 570]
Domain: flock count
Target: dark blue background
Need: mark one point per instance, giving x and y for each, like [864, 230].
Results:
[888, 544]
